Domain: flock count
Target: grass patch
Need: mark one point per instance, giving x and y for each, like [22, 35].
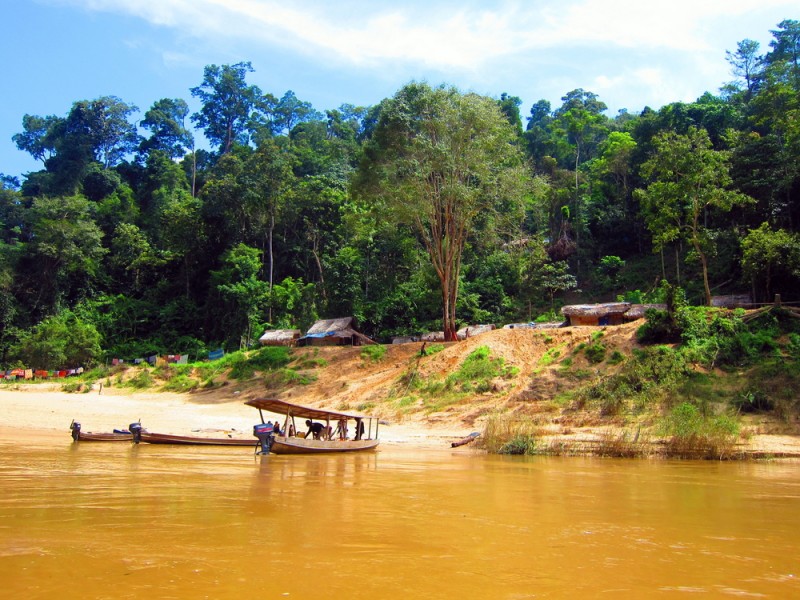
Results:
[75, 387]
[623, 444]
[506, 434]
[181, 383]
[142, 380]
[692, 435]
[373, 353]
[287, 377]
[550, 356]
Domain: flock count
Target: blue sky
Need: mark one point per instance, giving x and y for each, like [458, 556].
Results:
[632, 53]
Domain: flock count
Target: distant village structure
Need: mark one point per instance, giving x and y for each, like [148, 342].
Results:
[611, 313]
[279, 337]
[334, 332]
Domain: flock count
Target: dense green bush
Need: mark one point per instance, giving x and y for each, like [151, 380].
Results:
[63, 340]
[648, 374]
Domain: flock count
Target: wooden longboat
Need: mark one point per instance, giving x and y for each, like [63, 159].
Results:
[88, 436]
[190, 440]
[365, 430]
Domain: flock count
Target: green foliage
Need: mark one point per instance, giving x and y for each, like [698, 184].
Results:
[476, 371]
[141, 381]
[595, 353]
[687, 177]
[181, 384]
[551, 316]
[295, 214]
[616, 358]
[373, 353]
[57, 342]
[243, 365]
[550, 356]
[647, 376]
[771, 258]
[464, 146]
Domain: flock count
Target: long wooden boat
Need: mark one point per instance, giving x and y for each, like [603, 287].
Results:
[365, 429]
[189, 440]
[89, 436]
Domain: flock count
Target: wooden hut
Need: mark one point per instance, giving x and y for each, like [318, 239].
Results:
[596, 314]
[279, 337]
[334, 332]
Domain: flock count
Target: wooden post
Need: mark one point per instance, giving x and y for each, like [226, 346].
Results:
[778, 300]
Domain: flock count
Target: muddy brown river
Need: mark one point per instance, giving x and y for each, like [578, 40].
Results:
[120, 521]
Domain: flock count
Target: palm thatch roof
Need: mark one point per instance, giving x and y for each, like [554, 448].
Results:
[279, 337]
[637, 311]
[596, 310]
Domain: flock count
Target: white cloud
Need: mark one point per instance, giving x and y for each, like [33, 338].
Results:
[655, 51]
[434, 33]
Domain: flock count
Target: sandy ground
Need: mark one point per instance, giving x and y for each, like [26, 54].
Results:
[44, 411]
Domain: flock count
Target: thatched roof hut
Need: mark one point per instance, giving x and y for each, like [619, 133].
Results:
[636, 311]
[334, 332]
[279, 337]
[596, 314]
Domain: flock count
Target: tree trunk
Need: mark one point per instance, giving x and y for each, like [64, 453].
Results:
[271, 260]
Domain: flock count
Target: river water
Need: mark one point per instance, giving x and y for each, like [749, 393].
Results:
[120, 521]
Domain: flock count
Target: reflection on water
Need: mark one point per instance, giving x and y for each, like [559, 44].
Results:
[123, 521]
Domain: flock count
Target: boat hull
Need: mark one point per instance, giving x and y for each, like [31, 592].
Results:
[104, 437]
[296, 445]
[186, 440]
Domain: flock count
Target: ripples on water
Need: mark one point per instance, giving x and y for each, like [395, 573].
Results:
[120, 521]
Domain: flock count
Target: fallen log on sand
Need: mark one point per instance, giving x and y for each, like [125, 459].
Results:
[463, 441]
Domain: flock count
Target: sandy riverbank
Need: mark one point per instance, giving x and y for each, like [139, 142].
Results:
[44, 410]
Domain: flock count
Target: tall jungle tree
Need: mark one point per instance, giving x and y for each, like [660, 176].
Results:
[438, 159]
[687, 179]
[227, 104]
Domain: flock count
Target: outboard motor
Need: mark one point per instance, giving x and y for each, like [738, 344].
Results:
[136, 432]
[75, 427]
[265, 434]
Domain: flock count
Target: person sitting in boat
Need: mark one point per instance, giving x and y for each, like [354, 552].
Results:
[276, 428]
[314, 429]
